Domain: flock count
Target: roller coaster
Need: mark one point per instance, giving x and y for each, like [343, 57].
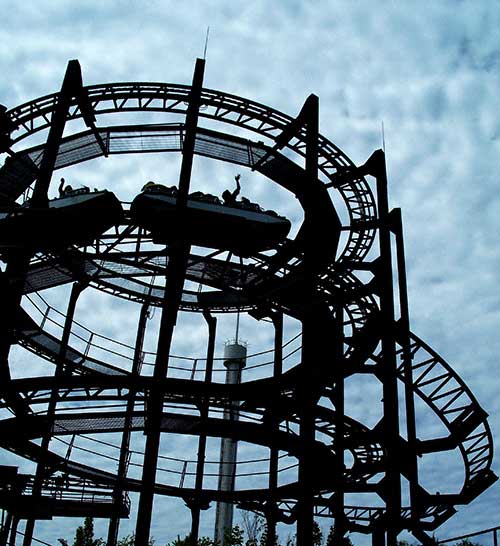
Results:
[334, 277]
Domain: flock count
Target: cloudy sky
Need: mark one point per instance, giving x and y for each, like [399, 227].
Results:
[430, 71]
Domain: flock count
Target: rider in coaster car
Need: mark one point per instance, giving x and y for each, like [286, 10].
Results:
[64, 190]
[68, 190]
[228, 197]
[149, 185]
[161, 188]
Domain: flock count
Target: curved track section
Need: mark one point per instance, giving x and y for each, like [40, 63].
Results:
[434, 382]
[34, 116]
[264, 282]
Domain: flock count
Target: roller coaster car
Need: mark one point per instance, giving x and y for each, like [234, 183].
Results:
[76, 218]
[243, 227]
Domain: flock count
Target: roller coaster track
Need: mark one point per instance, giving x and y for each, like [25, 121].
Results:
[36, 115]
[433, 380]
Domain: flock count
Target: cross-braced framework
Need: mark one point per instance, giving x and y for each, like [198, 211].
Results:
[334, 278]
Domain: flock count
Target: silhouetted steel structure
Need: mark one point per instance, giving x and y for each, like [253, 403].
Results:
[331, 277]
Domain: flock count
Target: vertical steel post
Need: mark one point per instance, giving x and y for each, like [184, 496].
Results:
[388, 366]
[271, 508]
[338, 444]
[306, 390]
[13, 531]
[4, 536]
[378, 537]
[174, 282]
[76, 290]
[202, 441]
[404, 324]
[114, 521]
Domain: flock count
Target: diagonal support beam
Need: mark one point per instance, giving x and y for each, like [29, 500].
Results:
[17, 266]
[71, 87]
[88, 115]
[291, 130]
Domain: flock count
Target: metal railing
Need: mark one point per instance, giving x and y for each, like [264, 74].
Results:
[492, 532]
[116, 353]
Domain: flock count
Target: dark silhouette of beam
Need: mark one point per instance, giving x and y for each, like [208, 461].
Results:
[13, 531]
[271, 508]
[306, 390]
[18, 263]
[197, 504]
[114, 521]
[338, 400]
[4, 535]
[71, 86]
[173, 292]
[375, 166]
[404, 325]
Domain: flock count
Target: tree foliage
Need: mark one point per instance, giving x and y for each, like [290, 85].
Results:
[129, 540]
[253, 525]
[346, 541]
[467, 542]
[186, 541]
[84, 535]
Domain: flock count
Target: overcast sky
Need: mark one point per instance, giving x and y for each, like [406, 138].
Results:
[430, 71]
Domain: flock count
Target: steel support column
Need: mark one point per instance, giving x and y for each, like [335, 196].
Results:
[11, 291]
[13, 531]
[114, 521]
[378, 536]
[179, 254]
[307, 389]
[388, 366]
[339, 443]
[271, 507]
[202, 442]
[4, 535]
[404, 325]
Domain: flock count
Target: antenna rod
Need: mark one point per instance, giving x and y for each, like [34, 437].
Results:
[383, 136]
[206, 44]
